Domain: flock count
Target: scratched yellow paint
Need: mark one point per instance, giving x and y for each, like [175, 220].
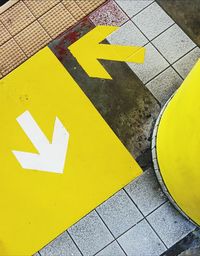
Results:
[89, 49]
[37, 206]
[178, 146]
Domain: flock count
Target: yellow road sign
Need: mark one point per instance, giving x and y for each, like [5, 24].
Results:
[87, 50]
[59, 159]
[178, 142]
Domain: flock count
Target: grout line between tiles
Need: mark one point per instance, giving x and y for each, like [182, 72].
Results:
[74, 242]
[156, 208]
[21, 50]
[147, 220]
[150, 41]
[42, 13]
[159, 33]
[68, 11]
[110, 233]
[9, 7]
[170, 65]
[103, 248]
[37, 19]
[143, 9]
[137, 12]
[168, 61]
[93, 10]
[157, 234]
[7, 32]
[15, 66]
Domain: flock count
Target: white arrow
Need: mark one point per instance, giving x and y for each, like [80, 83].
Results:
[51, 157]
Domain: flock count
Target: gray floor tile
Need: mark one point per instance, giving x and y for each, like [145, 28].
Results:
[152, 21]
[119, 213]
[131, 7]
[170, 224]
[36, 254]
[112, 249]
[186, 14]
[90, 234]
[146, 192]
[153, 64]
[173, 43]
[164, 85]
[141, 240]
[186, 63]
[61, 246]
[128, 34]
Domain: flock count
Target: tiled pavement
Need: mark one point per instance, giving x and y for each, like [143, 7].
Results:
[29, 25]
[138, 220]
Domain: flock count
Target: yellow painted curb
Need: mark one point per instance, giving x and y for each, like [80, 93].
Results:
[178, 146]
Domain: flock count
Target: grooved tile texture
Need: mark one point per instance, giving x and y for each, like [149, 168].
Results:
[29, 25]
[39, 38]
[17, 17]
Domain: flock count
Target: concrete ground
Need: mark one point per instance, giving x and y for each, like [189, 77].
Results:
[139, 219]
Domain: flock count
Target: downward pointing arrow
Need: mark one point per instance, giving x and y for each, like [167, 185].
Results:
[87, 50]
[51, 157]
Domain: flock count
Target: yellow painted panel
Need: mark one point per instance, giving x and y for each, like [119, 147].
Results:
[88, 50]
[36, 206]
[178, 144]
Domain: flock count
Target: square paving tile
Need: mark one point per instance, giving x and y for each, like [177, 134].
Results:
[74, 9]
[10, 56]
[131, 7]
[153, 64]
[186, 63]
[164, 85]
[90, 234]
[152, 20]
[57, 20]
[5, 35]
[146, 192]
[173, 43]
[119, 213]
[112, 249]
[109, 14]
[88, 6]
[141, 240]
[17, 17]
[61, 246]
[32, 38]
[40, 7]
[128, 34]
[170, 224]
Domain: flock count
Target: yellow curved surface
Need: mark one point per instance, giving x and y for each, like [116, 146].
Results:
[178, 146]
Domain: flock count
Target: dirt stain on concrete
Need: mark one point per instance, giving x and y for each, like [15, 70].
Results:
[124, 102]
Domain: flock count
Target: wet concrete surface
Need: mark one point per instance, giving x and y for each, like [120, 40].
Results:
[189, 245]
[186, 13]
[124, 102]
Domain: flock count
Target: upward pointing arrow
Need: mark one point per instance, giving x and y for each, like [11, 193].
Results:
[87, 50]
[51, 157]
